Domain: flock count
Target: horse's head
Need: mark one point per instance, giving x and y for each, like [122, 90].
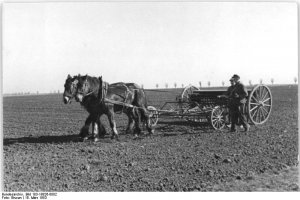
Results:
[70, 89]
[83, 88]
[88, 86]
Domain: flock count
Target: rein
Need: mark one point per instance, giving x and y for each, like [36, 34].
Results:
[88, 94]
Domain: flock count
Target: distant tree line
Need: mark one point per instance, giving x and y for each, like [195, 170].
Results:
[272, 81]
[223, 83]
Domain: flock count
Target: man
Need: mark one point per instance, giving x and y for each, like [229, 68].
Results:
[237, 95]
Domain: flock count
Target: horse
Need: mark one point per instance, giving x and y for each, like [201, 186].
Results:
[69, 93]
[98, 97]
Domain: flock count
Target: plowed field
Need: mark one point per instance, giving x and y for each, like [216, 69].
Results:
[42, 151]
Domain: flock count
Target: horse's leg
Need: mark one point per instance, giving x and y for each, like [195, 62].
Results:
[99, 130]
[95, 130]
[130, 123]
[102, 130]
[146, 118]
[85, 129]
[137, 119]
[112, 122]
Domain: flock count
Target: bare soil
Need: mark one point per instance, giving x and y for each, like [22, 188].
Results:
[42, 151]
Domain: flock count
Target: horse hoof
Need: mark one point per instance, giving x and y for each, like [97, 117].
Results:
[85, 138]
[115, 136]
[96, 139]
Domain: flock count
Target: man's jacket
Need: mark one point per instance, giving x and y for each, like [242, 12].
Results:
[237, 93]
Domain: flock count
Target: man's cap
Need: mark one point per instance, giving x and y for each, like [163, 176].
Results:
[235, 77]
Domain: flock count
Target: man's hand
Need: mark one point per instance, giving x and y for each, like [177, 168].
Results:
[243, 101]
[236, 95]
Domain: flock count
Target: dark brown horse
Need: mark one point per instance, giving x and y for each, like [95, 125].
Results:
[99, 98]
[69, 93]
[70, 89]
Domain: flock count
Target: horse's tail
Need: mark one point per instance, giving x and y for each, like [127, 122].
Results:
[142, 100]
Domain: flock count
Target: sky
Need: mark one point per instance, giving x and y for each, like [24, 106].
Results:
[148, 43]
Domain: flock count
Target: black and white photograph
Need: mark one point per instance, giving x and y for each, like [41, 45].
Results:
[149, 96]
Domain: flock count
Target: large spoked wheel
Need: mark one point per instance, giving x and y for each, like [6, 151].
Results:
[217, 118]
[187, 91]
[259, 104]
[153, 114]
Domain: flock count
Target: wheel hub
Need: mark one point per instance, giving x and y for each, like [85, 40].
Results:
[219, 117]
[260, 103]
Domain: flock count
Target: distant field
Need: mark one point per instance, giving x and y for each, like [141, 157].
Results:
[42, 151]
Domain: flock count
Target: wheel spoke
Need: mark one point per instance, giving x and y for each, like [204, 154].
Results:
[259, 93]
[253, 108]
[266, 100]
[219, 124]
[258, 115]
[214, 123]
[256, 95]
[257, 111]
[254, 99]
[261, 89]
[265, 95]
[263, 113]
[254, 114]
[263, 116]
[267, 112]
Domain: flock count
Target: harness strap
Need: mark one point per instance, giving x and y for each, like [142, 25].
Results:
[89, 93]
[103, 99]
[118, 103]
[103, 87]
[125, 97]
